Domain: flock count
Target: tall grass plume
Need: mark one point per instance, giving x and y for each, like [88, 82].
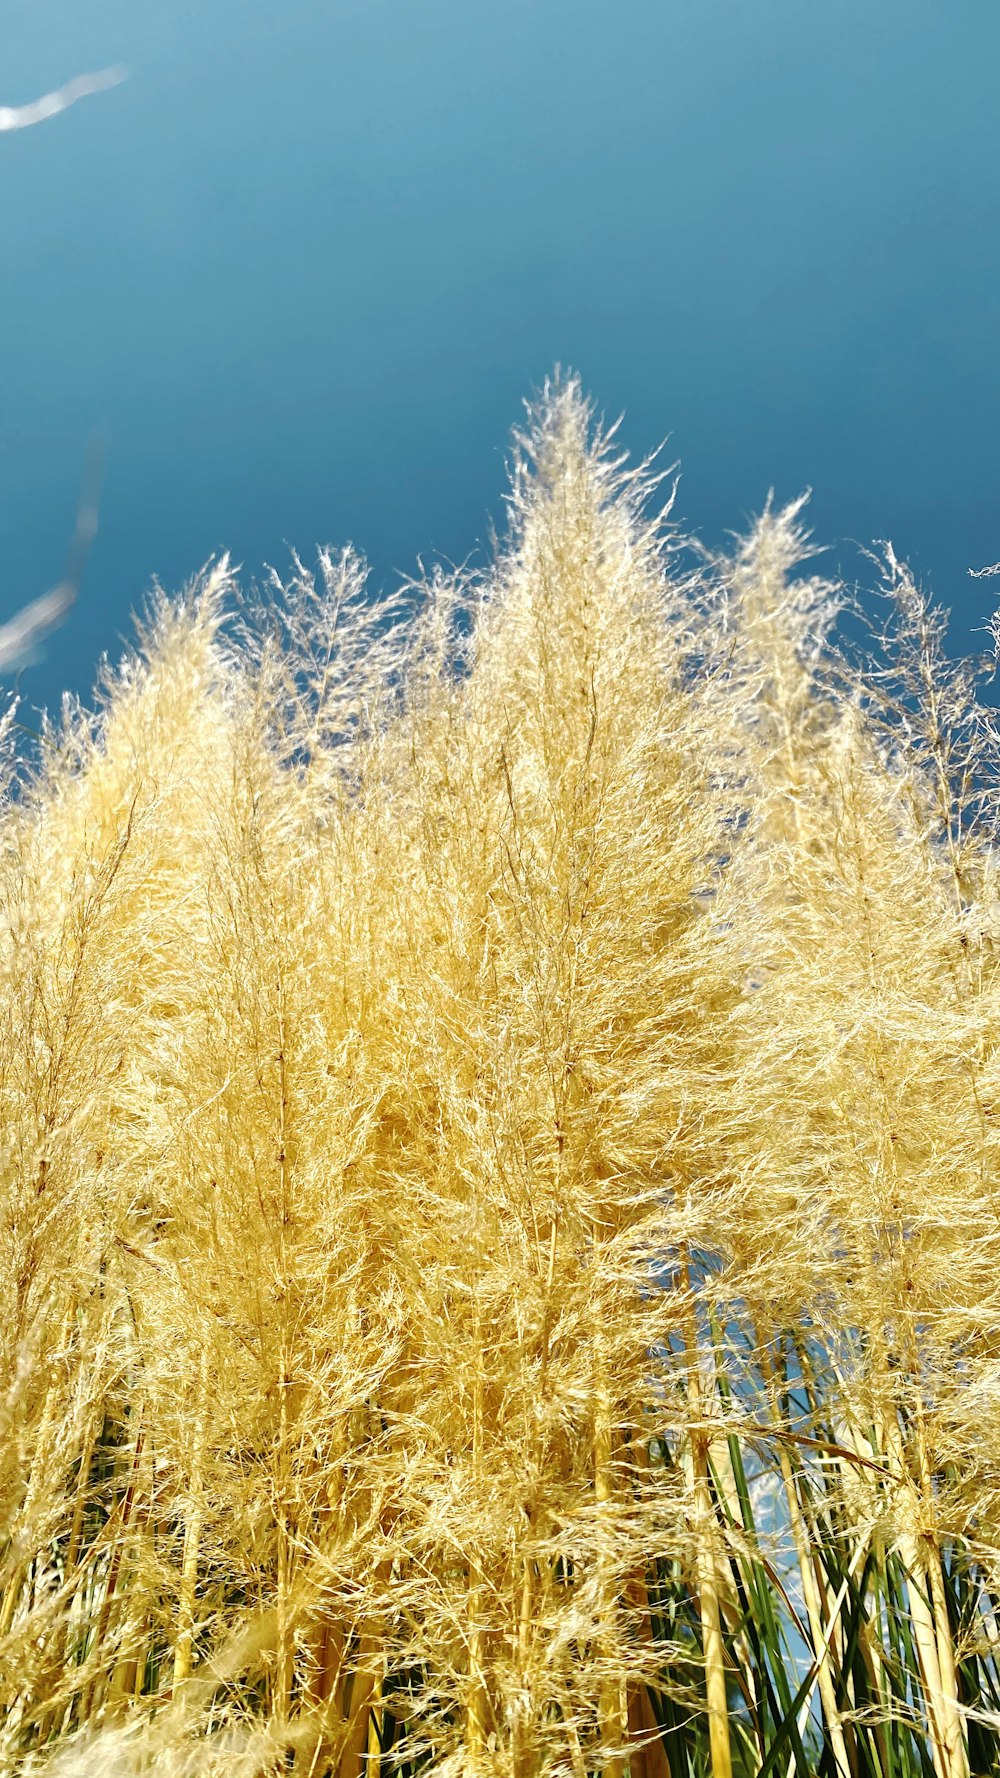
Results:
[499, 1172]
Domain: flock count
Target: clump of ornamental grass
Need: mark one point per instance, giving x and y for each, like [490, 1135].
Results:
[498, 1221]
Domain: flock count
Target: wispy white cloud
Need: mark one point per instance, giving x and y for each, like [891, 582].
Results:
[21, 117]
[22, 636]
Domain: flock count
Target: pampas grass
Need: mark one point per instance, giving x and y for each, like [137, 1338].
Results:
[499, 1221]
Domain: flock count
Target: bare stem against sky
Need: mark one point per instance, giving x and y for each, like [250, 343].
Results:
[20, 117]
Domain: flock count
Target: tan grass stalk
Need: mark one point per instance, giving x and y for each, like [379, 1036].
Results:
[953, 1726]
[193, 1521]
[613, 1703]
[476, 1701]
[716, 1690]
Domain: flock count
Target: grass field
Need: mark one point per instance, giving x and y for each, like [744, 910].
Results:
[499, 1173]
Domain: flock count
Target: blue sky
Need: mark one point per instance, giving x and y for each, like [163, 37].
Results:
[303, 266]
